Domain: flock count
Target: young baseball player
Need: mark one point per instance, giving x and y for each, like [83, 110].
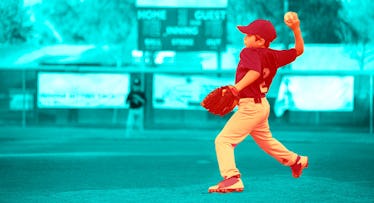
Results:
[256, 69]
[136, 100]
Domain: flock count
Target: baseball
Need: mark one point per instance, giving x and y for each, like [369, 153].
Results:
[291, 19]
[289, 16]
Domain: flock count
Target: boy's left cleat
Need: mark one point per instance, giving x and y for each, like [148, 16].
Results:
[232, 184]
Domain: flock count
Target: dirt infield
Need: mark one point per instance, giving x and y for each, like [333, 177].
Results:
[100, 166]
[262, 189]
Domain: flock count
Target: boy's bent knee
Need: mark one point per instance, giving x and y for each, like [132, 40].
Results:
[219, 141]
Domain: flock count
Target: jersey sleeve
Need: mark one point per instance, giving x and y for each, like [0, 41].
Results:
[250, 60]
[284, 57]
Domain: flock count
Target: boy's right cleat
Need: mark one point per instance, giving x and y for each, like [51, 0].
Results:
[299, 165]
[233, 184]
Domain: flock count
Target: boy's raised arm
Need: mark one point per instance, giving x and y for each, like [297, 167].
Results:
[292, 21]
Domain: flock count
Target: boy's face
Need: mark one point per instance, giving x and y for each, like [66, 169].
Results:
[253, 41]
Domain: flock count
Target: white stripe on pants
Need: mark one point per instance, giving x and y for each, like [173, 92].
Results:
[251, 118]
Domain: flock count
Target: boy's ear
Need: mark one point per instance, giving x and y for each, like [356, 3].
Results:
[261, 41]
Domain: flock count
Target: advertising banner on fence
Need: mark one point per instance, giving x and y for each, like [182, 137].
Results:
[82, 90]
[184, 92]
[315, 93]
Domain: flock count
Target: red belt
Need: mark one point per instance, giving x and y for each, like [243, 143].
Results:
[257, 100]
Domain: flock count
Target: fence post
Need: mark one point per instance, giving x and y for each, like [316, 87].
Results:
[23, 97]
[371, 103]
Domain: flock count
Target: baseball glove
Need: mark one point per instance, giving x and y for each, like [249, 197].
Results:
[221, 100]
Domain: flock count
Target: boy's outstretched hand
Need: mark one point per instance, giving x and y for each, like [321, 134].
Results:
[292, 20]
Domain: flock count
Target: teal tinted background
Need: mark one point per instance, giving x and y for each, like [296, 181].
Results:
[102, 37]
[92, 154]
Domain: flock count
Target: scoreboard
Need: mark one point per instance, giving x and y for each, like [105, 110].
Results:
[181, 29]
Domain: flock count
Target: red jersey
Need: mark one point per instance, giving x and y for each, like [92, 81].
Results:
[259, 59]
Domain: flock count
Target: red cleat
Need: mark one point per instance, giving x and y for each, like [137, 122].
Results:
[299, 165]
[232, 184]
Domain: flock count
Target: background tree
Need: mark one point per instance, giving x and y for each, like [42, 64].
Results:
[357, 32]
[320, 20]
[108, 24]
[358, 36]
[15, 26]
[90, 21]
[245, 11]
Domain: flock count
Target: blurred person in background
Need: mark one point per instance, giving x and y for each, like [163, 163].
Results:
[135, 118]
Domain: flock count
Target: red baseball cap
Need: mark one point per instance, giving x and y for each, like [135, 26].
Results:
[263, 28]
